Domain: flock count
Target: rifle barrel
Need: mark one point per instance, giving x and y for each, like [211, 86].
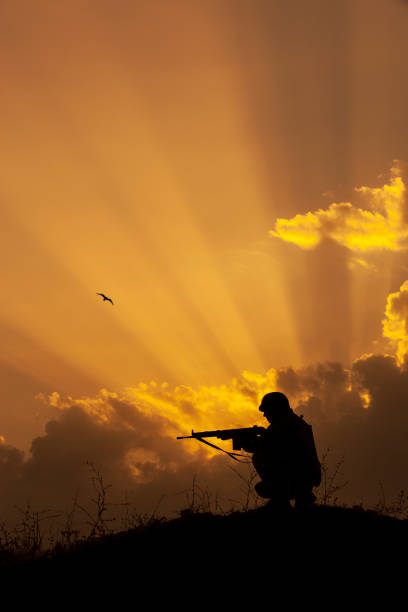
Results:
[199, 434]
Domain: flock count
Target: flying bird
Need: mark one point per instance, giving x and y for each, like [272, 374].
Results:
[105, 298]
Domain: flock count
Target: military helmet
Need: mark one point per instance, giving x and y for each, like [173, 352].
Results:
[276, 404]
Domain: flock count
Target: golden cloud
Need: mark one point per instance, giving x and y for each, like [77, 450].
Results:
[382, 226]
[180, 409]
[395, 322]
[130, 435]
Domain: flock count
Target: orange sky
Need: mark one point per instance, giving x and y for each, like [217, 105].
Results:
[148, 150]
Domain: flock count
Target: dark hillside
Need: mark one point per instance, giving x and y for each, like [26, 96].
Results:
[203, 546]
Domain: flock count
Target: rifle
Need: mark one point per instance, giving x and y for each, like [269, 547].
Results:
[246, 436]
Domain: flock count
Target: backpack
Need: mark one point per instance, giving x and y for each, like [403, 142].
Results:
[305, 436]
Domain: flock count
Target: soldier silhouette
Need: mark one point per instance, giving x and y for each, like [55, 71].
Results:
[285, 456]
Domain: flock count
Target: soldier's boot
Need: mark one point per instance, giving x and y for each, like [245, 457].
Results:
[277, 496]
[265, 489]
[306, 499]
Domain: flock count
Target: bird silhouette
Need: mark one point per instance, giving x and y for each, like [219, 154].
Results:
[105, 298]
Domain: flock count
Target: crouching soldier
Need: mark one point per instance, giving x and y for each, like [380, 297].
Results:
[285, 456]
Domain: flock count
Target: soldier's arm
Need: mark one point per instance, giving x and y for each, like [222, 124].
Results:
[251, 441]
[250, 446]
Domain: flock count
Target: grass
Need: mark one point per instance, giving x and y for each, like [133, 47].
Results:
[47, 534]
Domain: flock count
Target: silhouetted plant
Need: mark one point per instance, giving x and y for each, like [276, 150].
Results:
[97, 520]
[26, 537]
[330, 484]
[397, 508]
[8, 540]
[29, 538]
[250, 498]
[132, 519]
[200, 500]
[197, 500]
[66, 535]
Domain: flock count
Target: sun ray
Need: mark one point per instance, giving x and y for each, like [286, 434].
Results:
[139, 235]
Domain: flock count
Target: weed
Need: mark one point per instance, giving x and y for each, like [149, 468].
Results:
[97, 520]
[398, 508]
[250, 498]
[330, 484]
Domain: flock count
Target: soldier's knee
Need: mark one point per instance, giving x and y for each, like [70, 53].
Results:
[273, 489]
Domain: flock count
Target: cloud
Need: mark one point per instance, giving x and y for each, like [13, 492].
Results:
[395, 322]
[11, 462]
[361, 414]
[324, 392]
[382, 226]
[130, 436]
